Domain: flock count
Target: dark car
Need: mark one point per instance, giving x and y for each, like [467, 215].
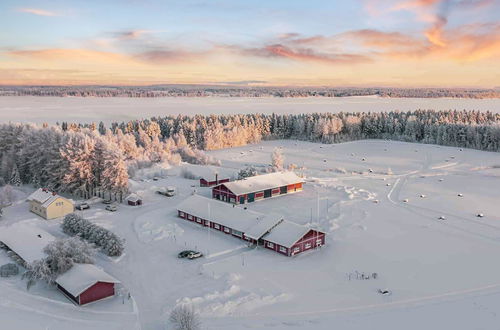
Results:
[190, 254]
[82, 206]
[107, 201]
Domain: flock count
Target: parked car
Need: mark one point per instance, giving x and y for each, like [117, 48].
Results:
[190, 254]
[169, 191]
[156, 178]
[107, 201]
[82, 206]
[111, 207]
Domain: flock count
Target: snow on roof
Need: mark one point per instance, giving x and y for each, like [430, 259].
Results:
[133, 197]
[27, 241]
[208, 171]
[228, 215]
[286, 233]
[81, 277]
[263, 182]
[43, 196]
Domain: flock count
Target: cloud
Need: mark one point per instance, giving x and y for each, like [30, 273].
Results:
[162, 56]
[37, 11]
[76, 55]
[132, 34]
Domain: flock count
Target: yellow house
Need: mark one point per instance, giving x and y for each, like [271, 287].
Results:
[49, 205]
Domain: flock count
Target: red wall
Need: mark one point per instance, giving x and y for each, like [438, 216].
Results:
[98, 291]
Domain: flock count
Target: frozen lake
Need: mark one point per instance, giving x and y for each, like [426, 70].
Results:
[51, 109]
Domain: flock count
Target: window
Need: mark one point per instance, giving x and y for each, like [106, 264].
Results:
[308, 245]
[216, 226]
[296, 250]
[318, 241]
[207, 223]
[227, 230]
[282, 249]
[198, 220]
[270, 245]
[190, 217]
[181, 214]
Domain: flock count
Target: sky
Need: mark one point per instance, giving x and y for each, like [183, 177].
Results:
[408, 43]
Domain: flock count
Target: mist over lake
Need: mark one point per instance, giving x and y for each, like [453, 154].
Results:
[52, 109]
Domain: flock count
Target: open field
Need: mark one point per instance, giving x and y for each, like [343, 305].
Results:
[441, 273]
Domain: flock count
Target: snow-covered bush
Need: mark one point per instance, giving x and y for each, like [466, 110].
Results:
[247, 172]
[62, 254]
[187, 174]
[195, 156]
[8, 270]
[185, 317]
[109, 242]
[6, 196]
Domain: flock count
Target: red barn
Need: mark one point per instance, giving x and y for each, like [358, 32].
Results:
[258, 187]
[85, 283]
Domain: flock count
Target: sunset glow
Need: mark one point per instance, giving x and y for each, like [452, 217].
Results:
[331, 43]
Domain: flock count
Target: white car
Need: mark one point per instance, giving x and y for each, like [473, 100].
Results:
[111, 207]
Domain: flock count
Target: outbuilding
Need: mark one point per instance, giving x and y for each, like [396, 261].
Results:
[134, 199]
[86, 283]
[49, 205]
[258, 187]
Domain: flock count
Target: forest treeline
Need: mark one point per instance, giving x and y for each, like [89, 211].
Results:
[79, 158]
[242, 91]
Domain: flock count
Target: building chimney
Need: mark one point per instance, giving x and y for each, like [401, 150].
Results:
[216, 178]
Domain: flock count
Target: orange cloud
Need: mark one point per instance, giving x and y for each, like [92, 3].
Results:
[68, 54]
[36, 11]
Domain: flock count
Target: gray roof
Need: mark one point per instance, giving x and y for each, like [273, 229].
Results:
[263, 182]
[253, 224]
[286, 233]
[27, 241]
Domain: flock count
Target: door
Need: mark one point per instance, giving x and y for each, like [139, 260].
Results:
[267, 193]
[283, 190]
[251, 197]
[242, 199]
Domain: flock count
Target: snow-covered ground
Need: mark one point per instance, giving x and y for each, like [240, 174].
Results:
[108, 109]
[365, 195]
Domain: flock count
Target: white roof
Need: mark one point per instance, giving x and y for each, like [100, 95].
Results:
[133, 197]
[208, 171]
[262, 182]
[286, 233]
[235, 217]
[28, 241]
[43, 196]
[81, 277]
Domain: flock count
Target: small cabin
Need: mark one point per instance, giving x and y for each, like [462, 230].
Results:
[134, 200]
[49, 205]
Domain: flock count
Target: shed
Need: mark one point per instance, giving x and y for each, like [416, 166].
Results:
[27, 241]
[134, 199]
[258, 187]
[86, 283]
[210, 175]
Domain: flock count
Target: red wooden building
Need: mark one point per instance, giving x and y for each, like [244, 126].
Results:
[85, 283]
[290, 239]
[258, 187]
[209, 182]
[270, 231]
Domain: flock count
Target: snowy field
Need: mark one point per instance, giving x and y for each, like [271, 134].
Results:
[379, 203]
[52, 109]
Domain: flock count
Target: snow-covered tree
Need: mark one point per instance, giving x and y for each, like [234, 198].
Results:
[277, 159]
[185, 317]
[247, 172]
